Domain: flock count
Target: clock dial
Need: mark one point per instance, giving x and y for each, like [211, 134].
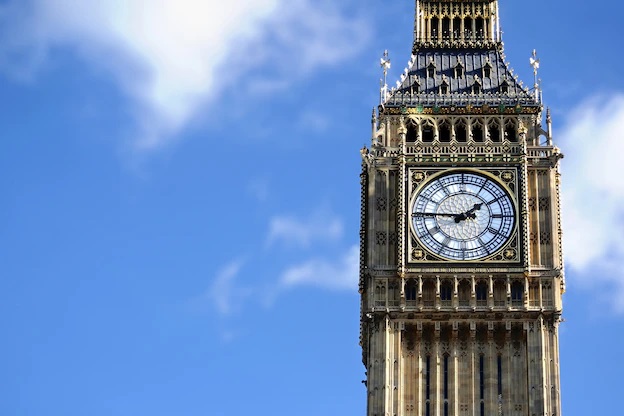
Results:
[463, 216]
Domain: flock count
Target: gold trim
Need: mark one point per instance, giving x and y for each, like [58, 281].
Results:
[430, 175]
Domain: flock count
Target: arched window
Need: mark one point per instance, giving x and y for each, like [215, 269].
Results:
[487, 70]
[444, 88]
[444, 130]
[461, 135]
[431, 69]
[446, 28]
[477, 132]
[468, 28]
[464, 293]
[459, 70]
[476, 86]
[534, 295]
[411, 290]
[494, 132]
[481, 290]
[435, 24]
[500, 293]
[456, 28]
[380, 295]
[511, 133]
[446, 293]
[547, 294]
[427, 131]
[428, 294]
[393, 294]
[412, 133]
[479, 28]
[517, 294]
[415, 87]
[504, 87]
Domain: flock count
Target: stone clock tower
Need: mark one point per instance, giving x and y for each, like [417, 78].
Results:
[461, 272]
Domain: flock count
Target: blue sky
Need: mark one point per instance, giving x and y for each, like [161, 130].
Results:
[180, 199]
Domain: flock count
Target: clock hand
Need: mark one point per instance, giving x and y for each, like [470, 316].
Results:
[469, 214]
[476, 207]
[433, 214]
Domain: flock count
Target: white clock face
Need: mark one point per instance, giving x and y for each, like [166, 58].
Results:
[463, 216]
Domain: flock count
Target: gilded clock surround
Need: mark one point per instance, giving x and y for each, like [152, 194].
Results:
[506, 178]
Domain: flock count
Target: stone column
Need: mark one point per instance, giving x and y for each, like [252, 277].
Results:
[474, 369]
[491, 366]
[435, 364]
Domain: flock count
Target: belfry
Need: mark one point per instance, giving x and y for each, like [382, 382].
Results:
[461, 269]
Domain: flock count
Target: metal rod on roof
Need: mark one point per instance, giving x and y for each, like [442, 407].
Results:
[535, 64]
[385, 65]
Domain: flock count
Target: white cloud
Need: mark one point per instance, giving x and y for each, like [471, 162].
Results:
[322, 226]
[340, 274]
[593, 194]
[173, 56]
[225, 294]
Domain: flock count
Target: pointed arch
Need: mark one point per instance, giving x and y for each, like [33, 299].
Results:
[412, 132]
[500, 293]
[494, 130]
[481, 292]
[511, 130]
[517, 293]
[464, 293]
[461, 132]
[477, 131]
[427, 129]
[428, 294]
[444, 131]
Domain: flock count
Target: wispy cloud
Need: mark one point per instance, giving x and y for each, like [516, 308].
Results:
[174, 56]
[302, 232]
[228, 292]
[335, 274]
[593, 194]
[225, 293]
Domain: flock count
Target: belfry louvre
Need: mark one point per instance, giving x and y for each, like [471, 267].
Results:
[461, 269]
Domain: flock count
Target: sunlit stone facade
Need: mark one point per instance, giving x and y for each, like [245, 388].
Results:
[461, 270]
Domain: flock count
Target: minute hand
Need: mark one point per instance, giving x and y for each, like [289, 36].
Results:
[433, 214]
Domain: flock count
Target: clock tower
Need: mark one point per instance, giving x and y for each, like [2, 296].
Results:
[461, 271]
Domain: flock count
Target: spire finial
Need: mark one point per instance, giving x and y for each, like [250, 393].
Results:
[385, 65]
[535, 63]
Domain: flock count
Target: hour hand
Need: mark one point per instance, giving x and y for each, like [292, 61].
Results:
[468, 214]
[471, 212]
[476, 207]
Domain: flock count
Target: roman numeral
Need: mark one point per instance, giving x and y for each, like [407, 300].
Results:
[492, 230]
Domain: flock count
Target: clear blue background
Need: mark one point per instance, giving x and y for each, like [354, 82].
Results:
[155, 280]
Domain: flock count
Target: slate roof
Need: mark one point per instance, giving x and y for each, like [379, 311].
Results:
[418, 88]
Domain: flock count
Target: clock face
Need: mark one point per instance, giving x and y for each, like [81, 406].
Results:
[463, 216]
